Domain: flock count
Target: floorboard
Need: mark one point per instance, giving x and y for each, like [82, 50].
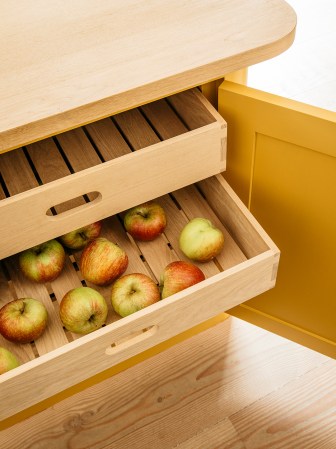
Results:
[232, 386]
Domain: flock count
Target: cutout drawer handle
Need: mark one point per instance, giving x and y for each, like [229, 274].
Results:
[92, 199]
[131, 339]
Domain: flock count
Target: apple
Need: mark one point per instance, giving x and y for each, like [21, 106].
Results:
[146, 221]
[78, 238]
[133, 292]
[8, 360]
[44, 262]
[179, 275]
[23, 320]
[83, 310]
[200, 240]
[102, 261]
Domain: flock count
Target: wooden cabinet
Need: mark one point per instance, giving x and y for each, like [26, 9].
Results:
[282, 163]
[193, 147]
[76, 150]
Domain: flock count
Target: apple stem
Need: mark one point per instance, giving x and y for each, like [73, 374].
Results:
[143, 214]
[82, 234]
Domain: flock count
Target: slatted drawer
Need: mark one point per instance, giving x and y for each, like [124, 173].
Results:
[53, 186]
[59, 359]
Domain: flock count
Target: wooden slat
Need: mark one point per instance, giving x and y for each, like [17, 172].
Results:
[16, 172]
[139, 134]
[2, 194]
[51, 166]
[163, 118]
[77, 147]
[187, 106]
[157, 254]
[108, 139]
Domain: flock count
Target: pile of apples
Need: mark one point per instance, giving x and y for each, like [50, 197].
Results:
[83, 310]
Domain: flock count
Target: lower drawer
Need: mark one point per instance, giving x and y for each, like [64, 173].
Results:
[62, 183]
[246, 267]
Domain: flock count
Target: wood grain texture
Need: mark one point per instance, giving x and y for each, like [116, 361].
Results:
[218, 389]
[73, 63]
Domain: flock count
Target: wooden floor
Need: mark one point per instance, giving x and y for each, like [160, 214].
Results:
[233, 386]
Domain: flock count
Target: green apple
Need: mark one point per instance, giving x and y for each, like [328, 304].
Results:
[8, 360]
[23, 320]
[83, 310]
[200, 240]
[133, 292]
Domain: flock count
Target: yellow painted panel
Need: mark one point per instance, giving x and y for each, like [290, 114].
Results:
[282, 162]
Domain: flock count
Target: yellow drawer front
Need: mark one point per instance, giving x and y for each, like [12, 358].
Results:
[282, 162]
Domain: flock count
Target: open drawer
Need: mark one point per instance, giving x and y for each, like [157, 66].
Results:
[58, 184]
[246, 267]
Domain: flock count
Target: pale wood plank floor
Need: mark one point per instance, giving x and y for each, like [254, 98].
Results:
[232, 386]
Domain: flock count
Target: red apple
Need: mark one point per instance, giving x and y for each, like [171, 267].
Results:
[8, 360]
[78, 238]
[179, 275]
[200, 240]
[83, 310]
[44, 262]
[146, 221]
[23, 320]
[102, 261]
[133, 292]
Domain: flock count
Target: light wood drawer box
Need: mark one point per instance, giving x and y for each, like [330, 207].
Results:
[246, 267]
[182, 140]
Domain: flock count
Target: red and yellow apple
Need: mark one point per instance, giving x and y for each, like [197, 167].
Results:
[146, 221]
[8, 360]
[23, 320]
[78, 238]
[178, 276]
[44, 262]
[133, 292]
[200, 240]
[83, 310]
[102, 261]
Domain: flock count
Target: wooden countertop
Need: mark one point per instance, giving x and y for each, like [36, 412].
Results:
[64, 64]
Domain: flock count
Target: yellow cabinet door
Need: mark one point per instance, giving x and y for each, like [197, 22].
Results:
[282, 163]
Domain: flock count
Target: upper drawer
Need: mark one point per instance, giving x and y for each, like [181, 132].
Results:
[50, 187]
